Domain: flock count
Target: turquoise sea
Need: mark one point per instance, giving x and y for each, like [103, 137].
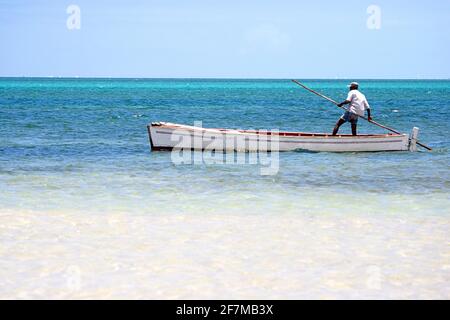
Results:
[87, 210]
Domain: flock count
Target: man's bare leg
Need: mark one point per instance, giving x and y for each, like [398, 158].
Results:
[354, 129]
[338, 124]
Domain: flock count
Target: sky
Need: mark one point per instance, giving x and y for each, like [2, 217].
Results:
[225, 38]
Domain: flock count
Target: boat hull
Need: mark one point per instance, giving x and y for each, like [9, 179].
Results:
[167, 136]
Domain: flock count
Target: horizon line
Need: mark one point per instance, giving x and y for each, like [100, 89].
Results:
[214, 78]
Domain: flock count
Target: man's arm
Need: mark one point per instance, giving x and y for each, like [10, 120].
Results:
[366, 105]
[348, 100]
[343, 103]
[368, 115]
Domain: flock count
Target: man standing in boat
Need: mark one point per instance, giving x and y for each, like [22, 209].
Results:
[358, 104]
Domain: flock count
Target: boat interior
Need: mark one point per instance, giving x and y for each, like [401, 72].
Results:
[280, 133]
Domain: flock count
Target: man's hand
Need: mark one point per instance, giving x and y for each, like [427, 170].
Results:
[369, 118]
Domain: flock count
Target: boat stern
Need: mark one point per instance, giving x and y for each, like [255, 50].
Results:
[413, 139]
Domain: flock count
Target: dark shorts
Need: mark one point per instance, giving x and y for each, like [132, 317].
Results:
[350, 117]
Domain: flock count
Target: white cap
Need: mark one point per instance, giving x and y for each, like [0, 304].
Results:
[353, 84]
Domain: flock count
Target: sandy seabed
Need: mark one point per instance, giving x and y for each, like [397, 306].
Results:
[55, 255]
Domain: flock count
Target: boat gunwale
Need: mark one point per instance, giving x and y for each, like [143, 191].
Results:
[281, 133]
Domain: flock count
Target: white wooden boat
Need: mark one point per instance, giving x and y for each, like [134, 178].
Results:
[167, 136]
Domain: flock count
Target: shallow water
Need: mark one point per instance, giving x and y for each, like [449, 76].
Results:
[88, 211]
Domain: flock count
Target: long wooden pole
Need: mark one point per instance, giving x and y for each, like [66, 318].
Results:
[370, 121]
